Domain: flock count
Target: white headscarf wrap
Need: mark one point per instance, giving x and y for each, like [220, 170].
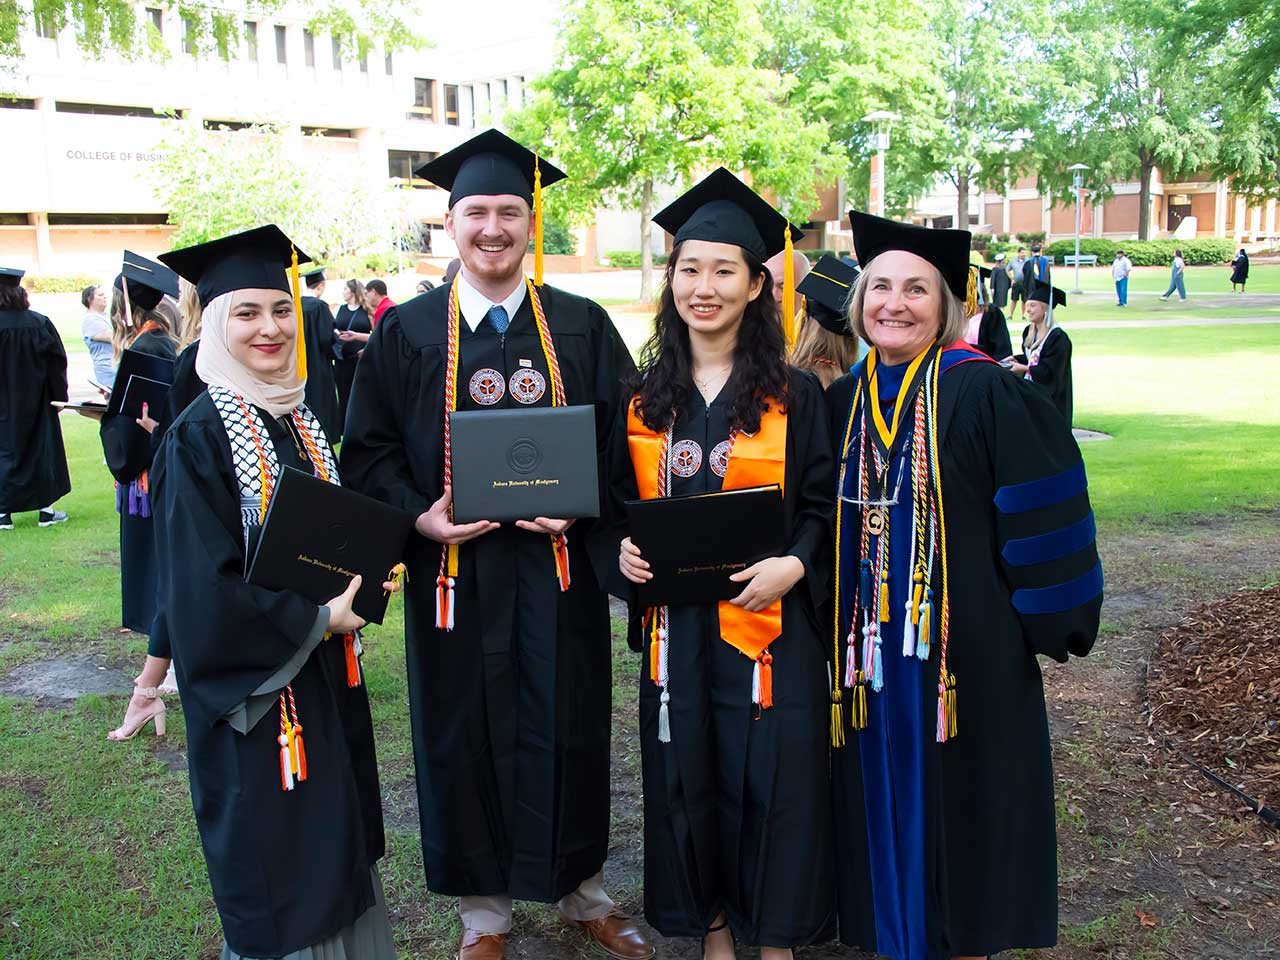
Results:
[278, 394]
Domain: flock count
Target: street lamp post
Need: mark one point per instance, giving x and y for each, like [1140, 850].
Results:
[1077, 182]
[882, 120]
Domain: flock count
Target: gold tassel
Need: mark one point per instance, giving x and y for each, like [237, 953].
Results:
[860, 701]
[916, 593]
[837, 718]
[398, 575]
[297, 312]
[971, 293]
[537, 222]
[789, 290]
[451, 564]
[884, 598]
[951, 706]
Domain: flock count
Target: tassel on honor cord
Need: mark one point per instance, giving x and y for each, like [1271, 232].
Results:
[293, 752]
[560, 550]
[297, 312]
[664, 678]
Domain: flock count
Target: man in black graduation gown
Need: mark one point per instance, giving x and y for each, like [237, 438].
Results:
[322, 387]
[511, 706]
[33, 373]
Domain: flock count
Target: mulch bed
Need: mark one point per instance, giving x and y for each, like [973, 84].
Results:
[1213, 687]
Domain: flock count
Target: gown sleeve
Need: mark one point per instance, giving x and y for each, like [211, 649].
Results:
[234, 637]
[56, 368]
[811, 480]
[618, 485]
[1044, 524]
[127, 448]
[1053, 369]
[374, 459]
[993, 337]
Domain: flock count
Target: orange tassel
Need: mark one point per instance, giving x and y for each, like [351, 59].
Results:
[560, 550]
[765, 660]
[353, 662]
[301, 751]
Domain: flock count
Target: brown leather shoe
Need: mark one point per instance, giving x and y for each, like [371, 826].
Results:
[618, 936]
[482, 946]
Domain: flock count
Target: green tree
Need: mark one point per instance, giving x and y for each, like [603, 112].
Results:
[644, 93]
[215, 182]
[1122, 99]
[121, 27]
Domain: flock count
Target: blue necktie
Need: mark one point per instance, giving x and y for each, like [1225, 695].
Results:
[497, 315]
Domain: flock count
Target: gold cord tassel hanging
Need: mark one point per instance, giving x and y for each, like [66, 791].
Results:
[971, 293]
[537, 222]
[789, 290]
[297, 312]
[837, 717]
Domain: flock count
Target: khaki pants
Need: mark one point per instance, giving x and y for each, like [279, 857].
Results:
[493, 914]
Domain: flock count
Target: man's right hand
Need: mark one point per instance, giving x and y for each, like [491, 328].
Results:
[435, 524]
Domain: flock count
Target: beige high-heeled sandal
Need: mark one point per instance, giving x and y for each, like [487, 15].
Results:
[156, 713]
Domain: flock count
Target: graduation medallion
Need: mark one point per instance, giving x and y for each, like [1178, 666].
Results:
[487, 386]
[719, 459]
[875, 521]
[527, 385]
[686, 458]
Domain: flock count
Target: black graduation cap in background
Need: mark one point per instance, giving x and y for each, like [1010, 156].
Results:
[11, 276]
[948, 250]
[312, 277]
[149, 282]
[255, 259]
[827, 288]
[723, 209]
[1043, 293]
[986, 272]
[489, 164]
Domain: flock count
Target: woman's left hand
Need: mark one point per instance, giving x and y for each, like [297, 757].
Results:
[769, 580]
[145, 421]
[1018, 369]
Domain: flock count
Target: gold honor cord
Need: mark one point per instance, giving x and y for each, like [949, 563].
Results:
[887, 435]
[297, 311]
[537, 221]
[789, 289]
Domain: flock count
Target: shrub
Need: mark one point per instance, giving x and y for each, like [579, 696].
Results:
[1027, 239]
[50, 284]
[630, 259]
[813, 256]
[1104, 250]
[1148, 253]
[557, 238]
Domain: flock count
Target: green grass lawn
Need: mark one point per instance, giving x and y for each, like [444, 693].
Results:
[99, 855]
[1263, 278]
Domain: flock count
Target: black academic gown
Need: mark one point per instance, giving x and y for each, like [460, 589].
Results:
[347, 355]
[128, 450]
[1017, 519]
[33, 373]
[1000, 284]
[737, 814]
[993, 334]
[511, 710]
[322, 390]
[287, 869]
[1053, 368]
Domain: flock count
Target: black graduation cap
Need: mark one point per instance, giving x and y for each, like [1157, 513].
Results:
[948, 250]
[256, 259]
[313, 277]
[986, 272]
[827, 288]
[149, 282]
[489, 164]
[723, 209]
[11, 276]
[1043, 293]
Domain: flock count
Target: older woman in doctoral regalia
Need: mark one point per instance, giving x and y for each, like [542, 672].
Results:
[965, 549]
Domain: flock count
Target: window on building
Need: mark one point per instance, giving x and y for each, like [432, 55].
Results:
[332, 132]
[451, 104]
[506, 94]
[190, 43]
[113, 110]
[282, 44]
[402, 163]
[156, 16]
[424, 96]
[390, 64]
[337, 53]
[364, 63]
[17, 103]
[15, 219]
[251, 40]
[107, 219]
[46, 25]
[227, 124]
[309, 47]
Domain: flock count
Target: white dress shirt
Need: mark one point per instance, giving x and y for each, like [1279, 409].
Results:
[475, 305]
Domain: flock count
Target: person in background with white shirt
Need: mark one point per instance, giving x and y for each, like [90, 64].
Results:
[1178, 279]
[96, 330]
[1120, 268]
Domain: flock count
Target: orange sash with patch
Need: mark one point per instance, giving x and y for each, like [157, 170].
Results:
[756, 460]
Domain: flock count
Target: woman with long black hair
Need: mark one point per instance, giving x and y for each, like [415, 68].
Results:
[732, 696]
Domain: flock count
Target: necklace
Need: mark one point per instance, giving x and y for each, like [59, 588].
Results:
[704, 384]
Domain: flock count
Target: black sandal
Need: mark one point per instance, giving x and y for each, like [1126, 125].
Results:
[716, 929]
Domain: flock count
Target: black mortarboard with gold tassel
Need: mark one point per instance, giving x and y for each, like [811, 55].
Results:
[948, 250]
[491, 164]
[723, 209]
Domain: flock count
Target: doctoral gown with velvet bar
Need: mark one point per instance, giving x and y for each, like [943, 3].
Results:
[33, 373]
[511, 709]
[288, 869]
[737, 813]
[128, 451]
[322, 388]
[950, 849]
[1052, 369]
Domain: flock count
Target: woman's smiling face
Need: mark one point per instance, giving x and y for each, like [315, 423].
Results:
[712, 285]
[262, 331]
[902, 305]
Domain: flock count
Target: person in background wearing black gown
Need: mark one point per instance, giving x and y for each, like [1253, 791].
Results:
[1240, 271]
[126, 442]
[506, 627]
[352, 329]
[988, 330]
[1045, 358]
[322, 389]
[733, 704]
[291, 827]
[965, 549]
[33, 374]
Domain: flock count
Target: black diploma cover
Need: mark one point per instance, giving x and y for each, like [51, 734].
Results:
[518, 464]
[693, 544]
[139, 366]
[318, 535]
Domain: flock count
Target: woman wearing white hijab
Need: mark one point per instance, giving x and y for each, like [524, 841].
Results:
[291, 827]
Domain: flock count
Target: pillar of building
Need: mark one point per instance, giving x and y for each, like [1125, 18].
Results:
[1220, 200]
[1046, 217]
[44, 246]
[1269, 221]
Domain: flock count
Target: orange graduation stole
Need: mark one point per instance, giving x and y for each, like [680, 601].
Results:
[754, 460]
